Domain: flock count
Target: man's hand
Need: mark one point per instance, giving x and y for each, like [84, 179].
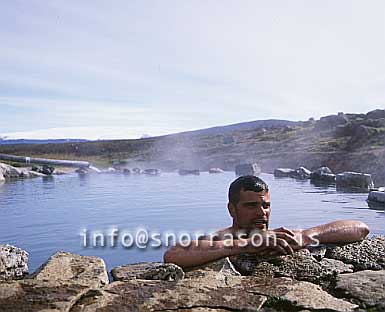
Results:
[280, 241]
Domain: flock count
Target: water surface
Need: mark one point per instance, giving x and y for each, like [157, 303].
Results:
[43, 216]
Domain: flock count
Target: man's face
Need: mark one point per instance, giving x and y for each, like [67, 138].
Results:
[252, 211]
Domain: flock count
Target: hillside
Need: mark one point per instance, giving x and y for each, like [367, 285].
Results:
[342, 142]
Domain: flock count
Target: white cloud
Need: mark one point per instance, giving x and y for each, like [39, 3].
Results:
[188, 64]
[91, 133]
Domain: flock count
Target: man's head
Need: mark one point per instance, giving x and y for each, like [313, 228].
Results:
[249, 203]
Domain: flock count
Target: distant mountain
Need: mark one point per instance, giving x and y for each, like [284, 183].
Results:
[248, 125]
[343, 142]
[26, 141]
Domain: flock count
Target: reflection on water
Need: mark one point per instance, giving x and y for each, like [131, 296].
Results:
[43, 216]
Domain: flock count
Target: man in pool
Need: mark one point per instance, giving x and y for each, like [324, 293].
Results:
[249, 207]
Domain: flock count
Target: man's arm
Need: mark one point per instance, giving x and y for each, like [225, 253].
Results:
[198, 253]
[344, 231]
[204, 251]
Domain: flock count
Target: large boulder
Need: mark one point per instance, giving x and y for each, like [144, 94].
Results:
[33, 295]
[331, 121]
[247, 169]
[368, 254]
[345, 130]
[208, 293]
[377, 197]
[13, 262]
[212, 291]
[301, 173]
[366, 287]
[57, 285]
[69, 267]
[376, 114]
[354, 180]
[283, 172]
[9, 172]
[363, 132]
[323, 175]
[300, 266]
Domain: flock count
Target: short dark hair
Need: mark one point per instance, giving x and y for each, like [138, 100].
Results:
[246, 183]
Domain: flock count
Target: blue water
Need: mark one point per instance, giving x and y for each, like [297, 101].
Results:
[43, 216]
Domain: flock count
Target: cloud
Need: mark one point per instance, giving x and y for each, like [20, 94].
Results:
[91, 133]
[189, 64]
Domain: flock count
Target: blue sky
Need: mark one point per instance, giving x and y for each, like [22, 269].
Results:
[120, 69]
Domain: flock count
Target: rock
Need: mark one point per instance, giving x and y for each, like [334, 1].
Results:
[323, 175]
[82, 171]
[33, 295]
[318, 252]
[367, 287]
[300, 173]
[354, 180]
[47, 170]
[377, 197]
[13, 262]
[146, 295]
[228, 268]
[9, 172]
[345, 130]
[137, 171]
[189, 171]
[148, 271]
[152, 172]
[376, 114]
[331, 121]
[223, 266]
[59, 172]
[363, 133]
[309, 296]
[247, 169]
[73, 268]
[215, 170]
[286, 294]
[210, 293]
[283, 172]
[34, 174]
[366, 255]
[301, 266]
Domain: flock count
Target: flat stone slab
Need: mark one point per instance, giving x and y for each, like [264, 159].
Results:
[36, 295]
[77, 269]
[146, 295]
[366, 255]
[13, 262]
[212, 291]
[368, 287]
[148, 271]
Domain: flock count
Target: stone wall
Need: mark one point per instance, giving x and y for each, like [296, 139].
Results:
[326, 278]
